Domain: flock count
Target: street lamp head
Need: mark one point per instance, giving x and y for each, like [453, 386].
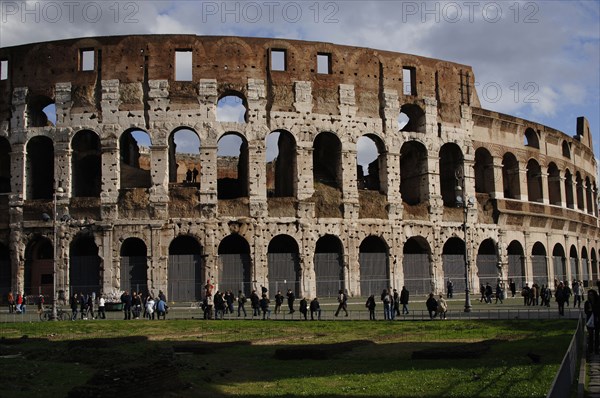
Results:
[60, 190]
[45, 217]
[471, 201]
[459, 201]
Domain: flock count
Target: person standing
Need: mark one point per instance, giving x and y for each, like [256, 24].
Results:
[241, 303]
[499, 292]
[101, 307]
[342, 303]
[150, 303]
[450, 289]
[560, 298]
[195, 175]
[255, 303]
[315, 307]
[592, 316]
[513, 288]
[208, 306]
[387, 305]
[577, 294]
[11, 302]
[90, 307]
[278, 301]
[404, 297]
[126, 300]
[371, 304]
[304, 307]
[290, 299]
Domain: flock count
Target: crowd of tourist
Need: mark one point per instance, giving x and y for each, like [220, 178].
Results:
[217, 304]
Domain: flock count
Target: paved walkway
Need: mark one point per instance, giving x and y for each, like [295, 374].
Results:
[593, 371]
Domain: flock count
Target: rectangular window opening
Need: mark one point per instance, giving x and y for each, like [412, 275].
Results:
[183, 65]
[86, 59]
[3, 69]
[324, 63]
[278, 61]
[409, 79]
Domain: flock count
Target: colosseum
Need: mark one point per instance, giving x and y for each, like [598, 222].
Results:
[451, 188]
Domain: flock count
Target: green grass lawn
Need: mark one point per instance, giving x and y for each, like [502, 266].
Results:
[190, 358]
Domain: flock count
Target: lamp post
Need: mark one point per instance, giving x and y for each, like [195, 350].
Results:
[57, 191]
[464, 201]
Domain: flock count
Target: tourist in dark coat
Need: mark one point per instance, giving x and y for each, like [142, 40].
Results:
[371, 304]
[592, 310]
[404, 297]
[315, 307]
[254, 303]
[126, 300]
[290, 299]
[431, 304]
[304, 308]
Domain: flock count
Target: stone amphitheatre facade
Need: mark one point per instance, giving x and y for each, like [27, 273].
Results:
[312, 219]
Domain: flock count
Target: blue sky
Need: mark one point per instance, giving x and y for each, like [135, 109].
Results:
[539, 60]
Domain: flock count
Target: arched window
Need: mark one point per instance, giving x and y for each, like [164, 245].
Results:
[232, 107]
[84, 266]
[411, 118]
[566, 150]
[86, 163]
[484, 171]
[559, 262]
[281, 164]
[232, 166]
[569, 189]
[134, 149]
[414, 185]
[554, 185]
[235, 265]
[184, 157]
[40, 168]
[539, 265]
[534, 181]
[516, 264]
[134, 265]
[451, 161]
[41, 111]
[531, 139]
[370, 163]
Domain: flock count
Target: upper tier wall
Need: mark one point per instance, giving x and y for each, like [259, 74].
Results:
[232, 61]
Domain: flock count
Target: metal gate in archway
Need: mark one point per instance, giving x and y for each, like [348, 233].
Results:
[185, 277]
[235, 273]
[329, 274]
[574, 268]
[516, 270]
[284, 273]
[487, 269]
[540, 270]
[134, 274]
[374, 275]
[560, 268]
[84, 274]
[454, 269]
[417, 274]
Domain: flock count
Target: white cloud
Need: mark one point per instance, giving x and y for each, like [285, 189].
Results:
[554, 45]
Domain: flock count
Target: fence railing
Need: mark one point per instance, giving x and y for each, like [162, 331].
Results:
[561, 386]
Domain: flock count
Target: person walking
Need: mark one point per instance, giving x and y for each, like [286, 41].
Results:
[304, 308]
[241, 303]
[11, 302]
[387, 305]
[342, 303]
[442, 307]
[396, 299]
[74, 302]
[560, 297]
[404, 297]
[264, 306]
[101, 307]
[255, 303]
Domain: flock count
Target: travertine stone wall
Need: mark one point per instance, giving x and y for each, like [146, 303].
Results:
[132, 86]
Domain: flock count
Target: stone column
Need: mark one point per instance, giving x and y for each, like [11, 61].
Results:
[257, 184]
[157, 262]
[111, 175]
[348, 183]
[545, 190]
[523, 192]
[498, 192]
[159, 172]
[563, 193]
[63, 103]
